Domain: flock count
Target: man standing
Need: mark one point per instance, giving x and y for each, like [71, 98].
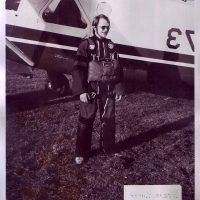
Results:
[97, 78]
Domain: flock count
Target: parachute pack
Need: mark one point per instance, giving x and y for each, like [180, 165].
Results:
[104, 69]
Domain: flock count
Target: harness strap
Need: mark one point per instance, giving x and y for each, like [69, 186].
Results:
[94, 49]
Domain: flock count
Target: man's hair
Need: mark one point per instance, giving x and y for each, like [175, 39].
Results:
[97, 18]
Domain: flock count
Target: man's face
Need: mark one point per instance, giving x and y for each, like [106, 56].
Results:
[102, 28]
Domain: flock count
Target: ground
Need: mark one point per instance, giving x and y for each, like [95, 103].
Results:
[154, 139]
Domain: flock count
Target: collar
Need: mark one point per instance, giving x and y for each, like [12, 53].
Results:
[100, 39]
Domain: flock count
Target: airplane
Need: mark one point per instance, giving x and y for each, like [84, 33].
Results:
[155, 39]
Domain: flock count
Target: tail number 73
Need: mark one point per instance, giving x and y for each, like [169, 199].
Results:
[173, 33]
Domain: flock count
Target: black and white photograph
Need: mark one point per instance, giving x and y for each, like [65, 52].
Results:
[100, 99]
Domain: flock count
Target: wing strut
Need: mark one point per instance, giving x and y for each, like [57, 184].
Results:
[20, 53]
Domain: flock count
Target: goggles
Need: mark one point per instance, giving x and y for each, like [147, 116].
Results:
[104, 27]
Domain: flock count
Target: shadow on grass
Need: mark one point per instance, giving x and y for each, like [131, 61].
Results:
[176, 91]
[152, 133]
[34, 99]
[146, 136]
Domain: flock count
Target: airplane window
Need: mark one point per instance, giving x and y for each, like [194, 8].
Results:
[66, 13]
[12, 4]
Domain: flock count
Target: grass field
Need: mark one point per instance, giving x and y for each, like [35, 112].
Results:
[154, 139]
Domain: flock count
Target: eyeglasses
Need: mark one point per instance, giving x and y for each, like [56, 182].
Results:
[104, 27]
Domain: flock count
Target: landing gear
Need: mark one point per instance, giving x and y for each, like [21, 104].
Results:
[58, 84]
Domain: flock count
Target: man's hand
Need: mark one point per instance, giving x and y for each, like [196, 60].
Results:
[118, 97]
[84, 97]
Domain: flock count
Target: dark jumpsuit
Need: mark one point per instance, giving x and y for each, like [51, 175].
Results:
[104, 100]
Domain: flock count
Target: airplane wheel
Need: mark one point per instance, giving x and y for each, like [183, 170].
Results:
[58, 85]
